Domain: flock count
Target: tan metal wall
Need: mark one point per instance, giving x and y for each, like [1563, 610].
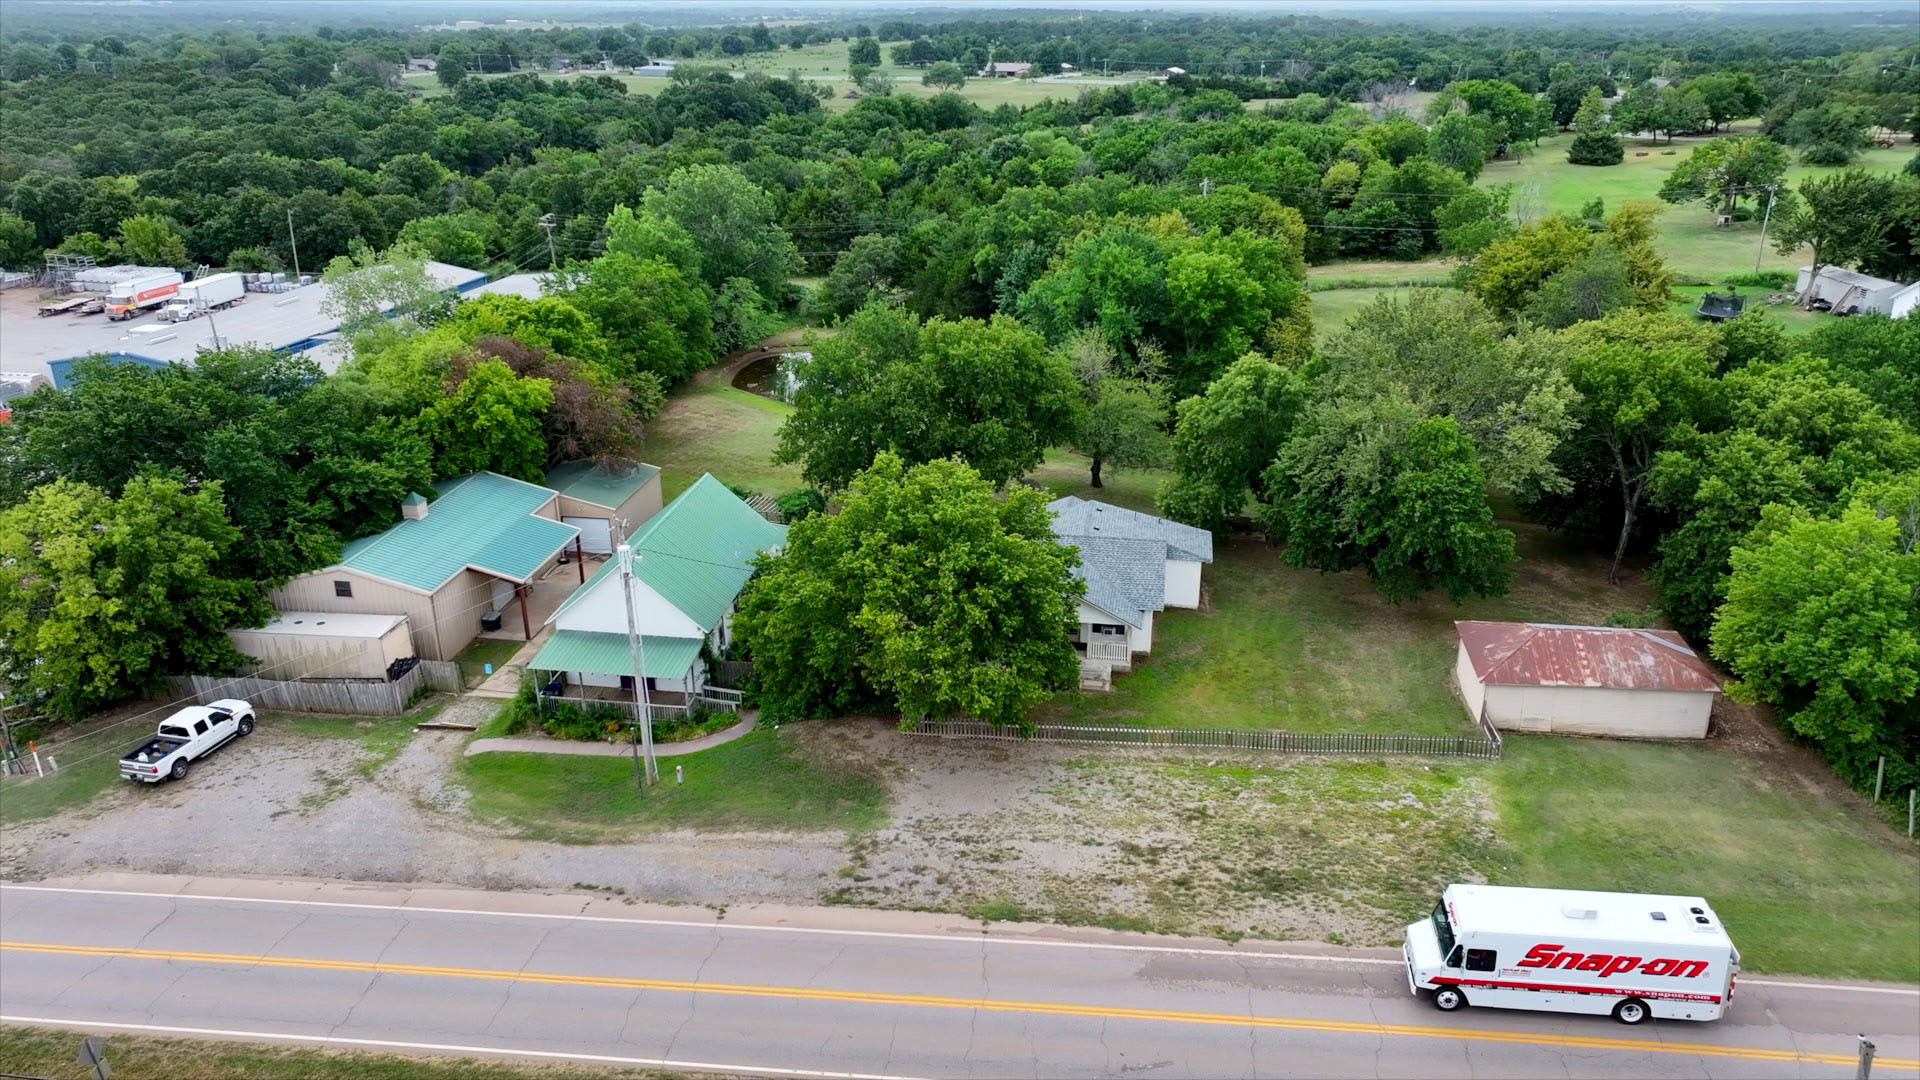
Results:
[324, 656]
[457, 608]
[371, 596]
[1583, 710]
[639, 506]
[1473, 692]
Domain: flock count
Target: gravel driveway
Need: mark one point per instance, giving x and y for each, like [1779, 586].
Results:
[1314, 849]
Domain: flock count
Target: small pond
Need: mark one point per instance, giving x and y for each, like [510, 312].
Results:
[771, 376]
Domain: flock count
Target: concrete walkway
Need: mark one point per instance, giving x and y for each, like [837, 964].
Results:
[604, 749]
[505, 680]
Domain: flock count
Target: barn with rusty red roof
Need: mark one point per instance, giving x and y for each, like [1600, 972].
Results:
[1584, 680]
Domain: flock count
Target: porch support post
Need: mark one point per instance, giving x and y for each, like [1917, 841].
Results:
[526, 620]
[580, 558]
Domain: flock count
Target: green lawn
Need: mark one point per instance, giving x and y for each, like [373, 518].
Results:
[708, 426]
[1333, 308]
[473, 659]
[1544, 182]
[1807, 882]
[1298, 650]
[1067, 473]
[761, 781]
[35, 1051]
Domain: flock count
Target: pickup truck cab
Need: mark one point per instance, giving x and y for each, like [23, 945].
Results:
[186, 736]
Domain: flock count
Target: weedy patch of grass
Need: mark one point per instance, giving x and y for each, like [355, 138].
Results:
[999, 910]
[1806, 880]
[34, 1051]
[89, 765]
[761, 781]
[381, 738]
[473, 659]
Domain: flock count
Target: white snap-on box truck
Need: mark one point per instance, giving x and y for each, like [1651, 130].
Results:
[1625, 955]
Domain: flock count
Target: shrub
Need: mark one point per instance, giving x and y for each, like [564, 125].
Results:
[800, 504]
[523, 712]
[1595, 148]
[594, 723]
[1762, 279]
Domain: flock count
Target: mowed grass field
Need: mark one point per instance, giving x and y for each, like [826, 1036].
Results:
[1298, 650]
[708, 426]
[762, 781]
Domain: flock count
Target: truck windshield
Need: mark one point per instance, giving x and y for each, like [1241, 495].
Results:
[1442, 929]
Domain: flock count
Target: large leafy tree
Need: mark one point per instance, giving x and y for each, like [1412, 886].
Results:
[734, 225]
[152, 241]
[1224, 440]
[1374, 485]
[1726, 170]
[489, 419]
[1594, 142]
[1633, 400]
[990, 393]
[1821, 620]
[1451, 356]
[1843, 218]
[102, 597]
[656, 320]
[1797, 436]
[926, 594]
[305, 461]
[1123, 419]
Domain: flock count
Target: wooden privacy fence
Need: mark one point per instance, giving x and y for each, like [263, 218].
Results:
[1485, 744]
[363, 697]
[732, 674]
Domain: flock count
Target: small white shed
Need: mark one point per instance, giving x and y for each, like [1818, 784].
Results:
[1584, 680]
[1849, 292]
[325, 645]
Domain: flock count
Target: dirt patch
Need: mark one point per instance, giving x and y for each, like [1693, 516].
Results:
[1230, 845]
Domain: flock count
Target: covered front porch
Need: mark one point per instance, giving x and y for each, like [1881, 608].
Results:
[588, 666]
[525, 607]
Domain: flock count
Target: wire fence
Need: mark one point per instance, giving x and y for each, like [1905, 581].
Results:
[1485, 743]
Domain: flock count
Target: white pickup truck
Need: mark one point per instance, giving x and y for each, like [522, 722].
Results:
[185, 737]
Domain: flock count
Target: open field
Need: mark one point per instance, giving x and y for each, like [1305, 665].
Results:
[37, 1051]
[1544, 183]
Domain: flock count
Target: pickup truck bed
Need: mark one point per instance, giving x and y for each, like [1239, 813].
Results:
[154, 750]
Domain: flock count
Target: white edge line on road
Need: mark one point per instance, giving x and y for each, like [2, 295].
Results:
[962, 939]
[1041, 943]
[450, 1048]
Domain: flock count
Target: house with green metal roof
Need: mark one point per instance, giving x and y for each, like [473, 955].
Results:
[473, 550]
[690, 562]
[605, 502]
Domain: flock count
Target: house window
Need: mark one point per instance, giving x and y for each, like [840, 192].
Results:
[343, 588]
[1107, 628]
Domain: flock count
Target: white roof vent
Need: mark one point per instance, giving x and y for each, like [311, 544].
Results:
[1580, 913]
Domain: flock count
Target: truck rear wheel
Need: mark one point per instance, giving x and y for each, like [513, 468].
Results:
[1631, 1011]
[179, 770]
[1449, 998]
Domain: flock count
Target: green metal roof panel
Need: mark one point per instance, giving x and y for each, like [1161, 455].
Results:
[608, 654]
[697, 552]
[588, 482]
[482, 520]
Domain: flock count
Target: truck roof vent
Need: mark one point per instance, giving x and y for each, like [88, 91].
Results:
[1659, 916]
[1697, 911]
[1701, 919]
[1580, 913]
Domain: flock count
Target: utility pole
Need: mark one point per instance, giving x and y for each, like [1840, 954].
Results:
[547, 222]
[1764, 219]
[294, 244]
[643, 728]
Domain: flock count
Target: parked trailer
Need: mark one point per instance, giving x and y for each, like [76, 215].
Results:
[72, 305]
[129, 298]
[1625, 955]
[218, 291]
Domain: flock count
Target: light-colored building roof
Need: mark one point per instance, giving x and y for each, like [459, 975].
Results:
[481, 521]
[697, 552]
[1610, 657]
[1843, 276]
[326, 624]
[291, 321]
[1009, 67]
[1084, 517]
[1125, 578]
[523, 285]
[593, 653]
[588, 482]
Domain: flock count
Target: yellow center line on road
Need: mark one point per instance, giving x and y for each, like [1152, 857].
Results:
[1046, 1008]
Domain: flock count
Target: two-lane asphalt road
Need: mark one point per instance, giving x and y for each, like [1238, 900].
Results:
[831, 992]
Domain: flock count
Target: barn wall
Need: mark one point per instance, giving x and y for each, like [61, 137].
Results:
[1472, 691]
[1183, 583]
[371, 596]
[1581, 710]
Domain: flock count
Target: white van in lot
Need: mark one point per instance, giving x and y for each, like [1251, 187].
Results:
[1626, 955]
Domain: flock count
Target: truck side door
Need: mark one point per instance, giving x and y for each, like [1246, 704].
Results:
[201, 740]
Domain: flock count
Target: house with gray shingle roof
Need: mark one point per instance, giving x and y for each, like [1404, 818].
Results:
[1134, 565]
